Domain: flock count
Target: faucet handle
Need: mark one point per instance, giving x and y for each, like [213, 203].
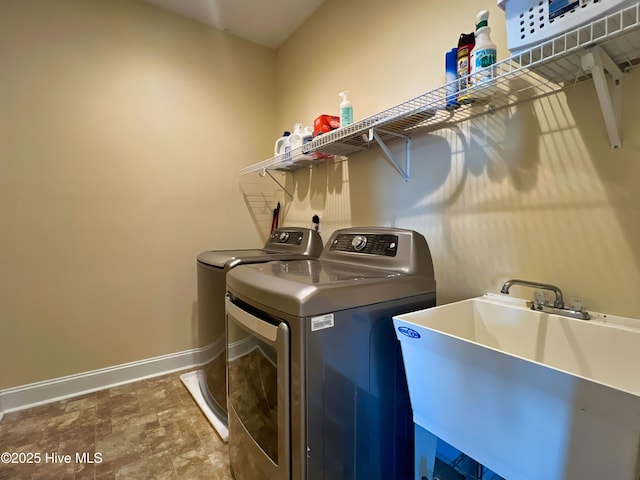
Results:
[577, 304]
[542, 298]
[538, 298]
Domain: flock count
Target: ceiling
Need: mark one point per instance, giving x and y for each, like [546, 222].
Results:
[265, 22]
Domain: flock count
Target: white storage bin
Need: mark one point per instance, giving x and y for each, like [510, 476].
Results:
[531, 22]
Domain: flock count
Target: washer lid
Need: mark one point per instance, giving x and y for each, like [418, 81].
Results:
[313, 287]
[287, 243]
[219, 258]
[228, 259]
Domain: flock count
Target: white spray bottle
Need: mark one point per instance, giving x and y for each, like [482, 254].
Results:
[483, 54]
[346, 110]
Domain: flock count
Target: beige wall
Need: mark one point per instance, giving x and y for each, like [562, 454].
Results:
[532, 192]
[122, 129]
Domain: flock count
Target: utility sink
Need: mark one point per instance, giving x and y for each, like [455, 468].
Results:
[528, 394]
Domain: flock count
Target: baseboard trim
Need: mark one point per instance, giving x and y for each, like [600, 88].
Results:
[210, 352]
[39, 393]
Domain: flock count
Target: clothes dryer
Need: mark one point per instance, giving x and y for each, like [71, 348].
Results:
[317, 388]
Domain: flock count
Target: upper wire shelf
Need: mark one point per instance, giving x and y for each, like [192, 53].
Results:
[541, 70]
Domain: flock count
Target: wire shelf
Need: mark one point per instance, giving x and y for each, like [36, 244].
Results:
[541, 70]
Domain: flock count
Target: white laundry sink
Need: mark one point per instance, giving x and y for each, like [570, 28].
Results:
[528, 394]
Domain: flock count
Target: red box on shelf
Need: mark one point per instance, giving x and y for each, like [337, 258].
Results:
[324, 124]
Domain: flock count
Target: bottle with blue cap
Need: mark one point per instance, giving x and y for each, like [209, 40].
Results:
[451, 78]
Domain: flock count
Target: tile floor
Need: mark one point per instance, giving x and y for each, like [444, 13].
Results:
[150, 429]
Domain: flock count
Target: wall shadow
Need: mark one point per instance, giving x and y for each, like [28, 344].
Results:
[618, 171]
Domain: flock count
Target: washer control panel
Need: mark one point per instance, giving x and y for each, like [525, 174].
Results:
[286, 237]
[372, 244]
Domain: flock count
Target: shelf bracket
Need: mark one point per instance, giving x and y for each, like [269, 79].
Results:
[596, 61]
[264, 172]
[373, 135]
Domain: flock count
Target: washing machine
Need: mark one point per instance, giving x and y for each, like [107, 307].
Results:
[208, 385]
[317, 388]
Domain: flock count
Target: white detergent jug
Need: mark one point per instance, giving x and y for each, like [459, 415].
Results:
[282, 142]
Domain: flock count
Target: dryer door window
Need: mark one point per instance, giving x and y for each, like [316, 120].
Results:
[258, 379]
[253, 392]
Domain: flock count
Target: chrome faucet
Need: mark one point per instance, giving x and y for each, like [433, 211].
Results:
[558, 304]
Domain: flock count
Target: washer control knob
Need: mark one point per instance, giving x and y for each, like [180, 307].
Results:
[284, 236]
[359, 242]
